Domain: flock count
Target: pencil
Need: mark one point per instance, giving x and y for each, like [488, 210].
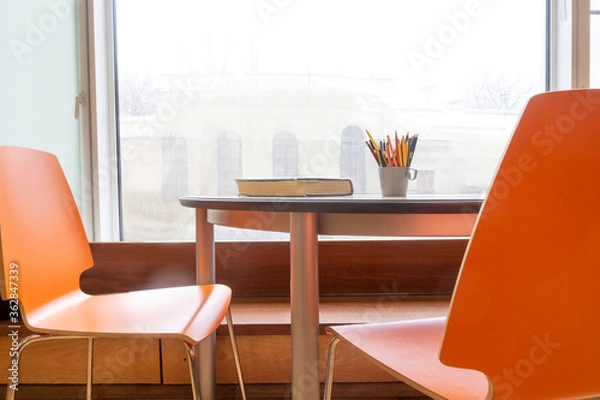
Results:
[396, 152]
[397, 148]
[391, 153]
[372, 140]
[413, 145]
[373, 151]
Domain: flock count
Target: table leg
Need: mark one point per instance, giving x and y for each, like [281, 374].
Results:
[304, 287]
[205, 274]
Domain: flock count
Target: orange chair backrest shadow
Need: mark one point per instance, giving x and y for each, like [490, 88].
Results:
[56, 273]
[527, 303]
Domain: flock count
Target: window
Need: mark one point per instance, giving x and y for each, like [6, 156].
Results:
[189, 72]
[287, 87]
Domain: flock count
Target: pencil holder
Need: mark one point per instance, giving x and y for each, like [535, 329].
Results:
[394, 180]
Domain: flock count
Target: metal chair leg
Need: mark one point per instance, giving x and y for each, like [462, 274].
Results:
[191, 356]
[15, 354]
[330, 368]
[236, 354]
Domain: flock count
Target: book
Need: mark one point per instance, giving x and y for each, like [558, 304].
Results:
[295, 187]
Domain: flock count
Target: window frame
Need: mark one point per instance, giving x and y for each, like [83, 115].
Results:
[96, 32]
[567, 66]
[568, 44]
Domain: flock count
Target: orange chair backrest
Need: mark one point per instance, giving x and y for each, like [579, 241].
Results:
[43, 244]
[526, 308]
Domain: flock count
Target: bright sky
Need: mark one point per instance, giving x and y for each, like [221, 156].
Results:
[404, 40]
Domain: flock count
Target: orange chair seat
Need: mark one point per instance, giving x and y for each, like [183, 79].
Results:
[415, 345]
[199, 311]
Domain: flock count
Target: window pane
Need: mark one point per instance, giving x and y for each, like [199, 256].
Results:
[595, 43]
[270, 88]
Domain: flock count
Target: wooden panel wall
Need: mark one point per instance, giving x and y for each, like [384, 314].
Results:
[262, 268]
[251, 269]
[64, 361]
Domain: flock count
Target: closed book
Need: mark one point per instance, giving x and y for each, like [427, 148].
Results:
[295, 187]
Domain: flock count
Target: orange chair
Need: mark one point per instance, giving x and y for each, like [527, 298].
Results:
[523, 321]
[44, 250]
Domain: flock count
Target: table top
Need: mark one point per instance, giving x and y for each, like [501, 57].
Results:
[340, 204]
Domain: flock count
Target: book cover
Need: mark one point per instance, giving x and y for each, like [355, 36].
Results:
[295, 187]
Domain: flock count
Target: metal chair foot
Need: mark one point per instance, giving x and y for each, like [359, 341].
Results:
[236, 354]
[191, 356]
[330, 368]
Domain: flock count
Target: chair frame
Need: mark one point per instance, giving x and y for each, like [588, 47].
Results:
[330, 368]
[190, 351]
[51, 332]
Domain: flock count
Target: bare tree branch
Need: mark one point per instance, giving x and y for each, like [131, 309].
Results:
[137, 95]
[497, 92]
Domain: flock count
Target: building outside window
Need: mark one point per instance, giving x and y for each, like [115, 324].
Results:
[285, 155]
[451, 71]
[352, 157]
[229, 161]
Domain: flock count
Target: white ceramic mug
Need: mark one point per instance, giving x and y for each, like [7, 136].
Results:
[394, 180]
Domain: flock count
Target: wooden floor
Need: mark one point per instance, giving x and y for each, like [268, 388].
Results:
[343, 391]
